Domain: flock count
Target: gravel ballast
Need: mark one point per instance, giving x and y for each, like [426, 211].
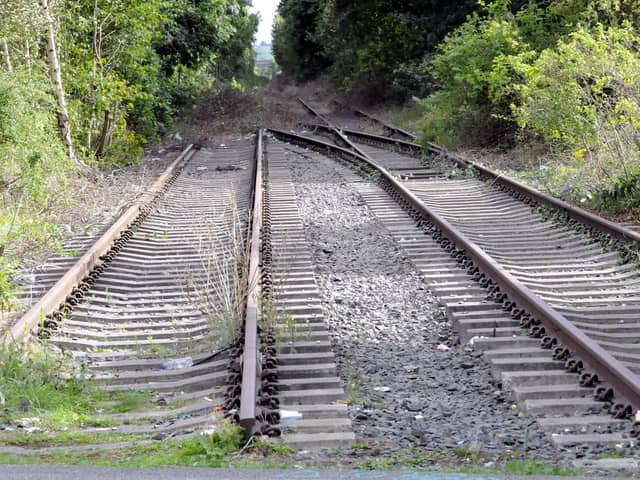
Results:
[386, 328]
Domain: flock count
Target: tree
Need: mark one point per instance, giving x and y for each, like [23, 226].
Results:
[295, 48]
[7, 57]
[64, 125]
[20, 19]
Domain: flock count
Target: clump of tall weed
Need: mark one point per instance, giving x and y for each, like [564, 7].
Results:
[213, 448]
[218, 283]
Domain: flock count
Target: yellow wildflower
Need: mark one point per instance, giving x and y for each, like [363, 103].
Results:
[580, 153]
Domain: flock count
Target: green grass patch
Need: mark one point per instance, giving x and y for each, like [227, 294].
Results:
[43, 388]
[535, 467]
[360, 446]
[212, 450]
[40, 384]
[130, 401]
[39, 440]
[465, 460]
[611, 454]
[278, 447]
[411, 459]
[523, 467]
[408, 118]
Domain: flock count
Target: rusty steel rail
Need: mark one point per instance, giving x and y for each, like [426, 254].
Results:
[333, 128]
[391, 128]
[610, 370]
[608, 227]
[248, 411]
[56, 295]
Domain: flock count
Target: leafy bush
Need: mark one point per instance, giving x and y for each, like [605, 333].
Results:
[623, 195]
[583, 96]
[412, 79]
[32, 161]
[36, 381]
[473, 75]
[295, 49]
[374, 49]
[212, 449]
[8, 298]
[585, 92]
[565, 73]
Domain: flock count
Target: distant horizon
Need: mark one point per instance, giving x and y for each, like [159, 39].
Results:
[267, 10]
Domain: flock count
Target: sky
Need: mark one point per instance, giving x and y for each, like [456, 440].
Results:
[267, 10]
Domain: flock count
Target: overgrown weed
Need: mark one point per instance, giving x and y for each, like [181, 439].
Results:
[199, 451]
[44, 390]
[219, 283]
[466, 460]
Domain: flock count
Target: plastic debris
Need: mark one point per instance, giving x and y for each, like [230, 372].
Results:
[638, 416]
[177, 363]
[473, 340]
[419, 417]
[443, 348]
[27, 422]
[382, 389]
[290, 415]
[2, 400]
[32, 429]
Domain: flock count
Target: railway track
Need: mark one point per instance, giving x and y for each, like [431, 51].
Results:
[165, 301]
[581, 386]
[537, 285]
[310, 391]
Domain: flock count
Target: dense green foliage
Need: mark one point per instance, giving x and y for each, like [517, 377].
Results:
[565, 74]
[33, 164]
[377, 47]
[34, 382]
[295, 47]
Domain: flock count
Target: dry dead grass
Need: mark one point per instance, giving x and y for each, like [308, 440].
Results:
[231, 114]
[516, 159]
[90, 202]
[98, 200]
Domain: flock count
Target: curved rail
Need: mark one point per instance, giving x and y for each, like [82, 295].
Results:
[391, 128]
[625, 383]
[251, 365]
[605, 226]
[56, 295]
[335, 130]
